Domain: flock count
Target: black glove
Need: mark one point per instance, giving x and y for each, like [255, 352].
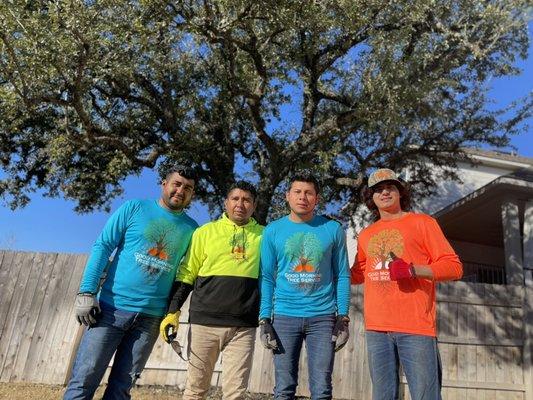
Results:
[341, 332]
[87, 308]
[267, 334]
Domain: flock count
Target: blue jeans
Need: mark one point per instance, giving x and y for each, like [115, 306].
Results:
[132, 335]
[420, 359]
[291, 332]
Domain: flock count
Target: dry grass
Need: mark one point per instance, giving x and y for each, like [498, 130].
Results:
[34, 391]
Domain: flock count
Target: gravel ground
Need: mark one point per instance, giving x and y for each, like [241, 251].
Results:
[29, 391]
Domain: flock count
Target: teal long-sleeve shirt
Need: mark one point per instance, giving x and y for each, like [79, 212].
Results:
[304, 268]
[150, 242]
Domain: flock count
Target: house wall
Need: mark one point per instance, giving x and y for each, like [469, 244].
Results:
[472, 176]
[477, 253]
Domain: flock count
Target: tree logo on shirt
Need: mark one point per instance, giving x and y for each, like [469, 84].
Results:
[379, 248]
[238, 244]
[164, 241]
[305, 251]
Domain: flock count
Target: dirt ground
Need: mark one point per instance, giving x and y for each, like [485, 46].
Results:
[28, 391]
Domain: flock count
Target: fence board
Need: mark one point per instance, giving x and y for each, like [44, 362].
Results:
[481, 362]
[58, 319]
[30, 372]
[527, 350]
[49, 320]
[262, 374]
[493, 295]
[471, 367]
[23, 267]
[26, 322]
[70, 326]
[7, 285]
[8, 280]
[481, 341]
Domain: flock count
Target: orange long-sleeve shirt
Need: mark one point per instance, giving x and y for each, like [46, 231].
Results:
[408, 305]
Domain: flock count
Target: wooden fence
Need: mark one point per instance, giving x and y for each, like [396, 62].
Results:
[481, 334]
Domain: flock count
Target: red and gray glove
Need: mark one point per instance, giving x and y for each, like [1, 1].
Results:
[399, 269]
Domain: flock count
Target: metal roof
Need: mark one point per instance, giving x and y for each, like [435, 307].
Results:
[500, 155]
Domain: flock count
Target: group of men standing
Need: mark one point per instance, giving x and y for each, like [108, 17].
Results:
[292, 279]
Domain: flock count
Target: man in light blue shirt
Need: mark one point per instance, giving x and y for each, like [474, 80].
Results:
[305, 291]
[150, 238]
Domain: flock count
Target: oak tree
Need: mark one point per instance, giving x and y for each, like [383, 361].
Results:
[92, 91]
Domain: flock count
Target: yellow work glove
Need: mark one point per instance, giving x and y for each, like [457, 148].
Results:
[169, 326]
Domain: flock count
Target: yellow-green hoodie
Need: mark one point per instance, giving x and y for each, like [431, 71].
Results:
[222, 264]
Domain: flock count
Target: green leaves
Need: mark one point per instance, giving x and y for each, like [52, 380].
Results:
[91, 92]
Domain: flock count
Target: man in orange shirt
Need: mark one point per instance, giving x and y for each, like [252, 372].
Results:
[400, 257]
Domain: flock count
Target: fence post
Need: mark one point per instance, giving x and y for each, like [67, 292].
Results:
[528, 299]
[73, 352]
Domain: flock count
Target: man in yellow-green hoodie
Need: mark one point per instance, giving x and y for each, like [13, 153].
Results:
[221, 268]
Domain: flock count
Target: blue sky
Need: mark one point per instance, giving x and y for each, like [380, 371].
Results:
[51, 225]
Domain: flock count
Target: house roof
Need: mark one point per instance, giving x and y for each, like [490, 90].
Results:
[477, 217]
[497, 155]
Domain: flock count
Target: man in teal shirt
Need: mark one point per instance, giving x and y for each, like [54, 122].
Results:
[150, 238]
[305, 291]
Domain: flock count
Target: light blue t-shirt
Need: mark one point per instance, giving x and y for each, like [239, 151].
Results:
[304, 268]
[150, 242]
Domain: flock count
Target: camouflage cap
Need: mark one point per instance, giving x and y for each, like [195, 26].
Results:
[382, 174]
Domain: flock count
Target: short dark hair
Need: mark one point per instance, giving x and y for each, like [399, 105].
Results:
[243, 185]
[304, 176]
[168, 168]
[405, 198]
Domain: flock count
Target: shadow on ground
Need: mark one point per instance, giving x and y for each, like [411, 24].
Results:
[35, 391]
